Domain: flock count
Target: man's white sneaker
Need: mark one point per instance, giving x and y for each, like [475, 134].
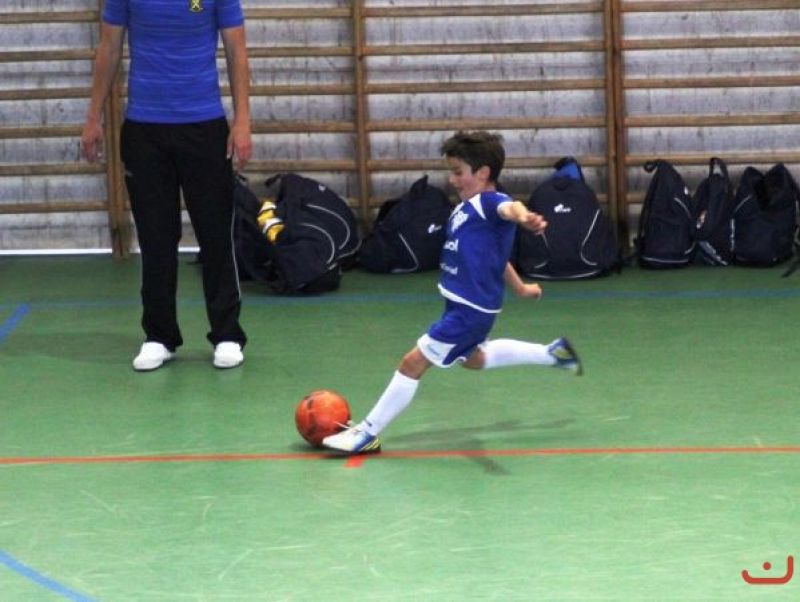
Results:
[151, 356]
[353, 440]
[228, 355]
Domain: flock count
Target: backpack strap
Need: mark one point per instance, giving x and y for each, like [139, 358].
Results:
[649, 167]
[272, 179]
[718, 163]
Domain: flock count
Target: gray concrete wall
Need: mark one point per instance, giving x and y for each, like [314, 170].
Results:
[89, 229]
[742, 62]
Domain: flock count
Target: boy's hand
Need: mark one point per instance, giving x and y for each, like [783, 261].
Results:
[533, 222]
[532, 290]
[517, 212]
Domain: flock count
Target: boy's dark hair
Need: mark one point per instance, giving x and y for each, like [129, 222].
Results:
[477, 149]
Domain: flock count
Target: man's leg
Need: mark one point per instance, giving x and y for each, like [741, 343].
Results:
[152, 184]
[206, 177]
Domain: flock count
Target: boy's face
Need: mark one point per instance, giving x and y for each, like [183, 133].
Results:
[466, 182]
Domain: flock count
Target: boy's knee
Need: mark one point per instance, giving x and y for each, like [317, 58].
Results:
[413, 364]
[475, 361]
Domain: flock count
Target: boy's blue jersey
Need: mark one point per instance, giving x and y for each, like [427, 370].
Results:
[477, 250]
[173, 74]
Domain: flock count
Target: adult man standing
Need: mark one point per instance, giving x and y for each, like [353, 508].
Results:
[176, 138]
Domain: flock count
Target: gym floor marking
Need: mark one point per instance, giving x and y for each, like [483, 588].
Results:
[7, 327]
[349, 462]
[356, 298]
[36, 577]
[358, 461]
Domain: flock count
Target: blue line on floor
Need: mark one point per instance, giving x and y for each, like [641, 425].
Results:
[560, 295]
[331, 299]
[39, 579]
[763, 293]
[7, 327]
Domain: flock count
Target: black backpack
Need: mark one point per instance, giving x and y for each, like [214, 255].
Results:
[666, 225]
[409, 231]
[578, 241]
[319, 236]
[713, 212]
[250, 247]
[765, 217]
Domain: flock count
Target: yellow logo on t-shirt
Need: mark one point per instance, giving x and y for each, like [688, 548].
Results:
[195, 5]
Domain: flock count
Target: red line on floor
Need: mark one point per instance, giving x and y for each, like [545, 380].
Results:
[355, 461]
[358, 460]
[161, 458]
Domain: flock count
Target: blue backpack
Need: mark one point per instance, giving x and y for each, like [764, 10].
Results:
[578, 242]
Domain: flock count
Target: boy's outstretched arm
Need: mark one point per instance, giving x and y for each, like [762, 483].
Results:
[515, 211]
[518, 286]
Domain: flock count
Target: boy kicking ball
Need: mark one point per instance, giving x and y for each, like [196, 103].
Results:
[475, 267]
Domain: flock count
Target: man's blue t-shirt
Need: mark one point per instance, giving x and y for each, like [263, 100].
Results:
[477, 250]
[173, 75]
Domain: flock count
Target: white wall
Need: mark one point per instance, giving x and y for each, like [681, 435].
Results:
[89, 229]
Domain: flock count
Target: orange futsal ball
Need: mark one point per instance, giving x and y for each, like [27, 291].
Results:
[320, 414]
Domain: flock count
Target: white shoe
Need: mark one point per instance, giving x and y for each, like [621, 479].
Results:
[353, 440]
[151, 356]
[228, 355]
[565, 355]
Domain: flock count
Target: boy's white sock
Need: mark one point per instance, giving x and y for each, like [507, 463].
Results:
[508, 352]
[395, 399]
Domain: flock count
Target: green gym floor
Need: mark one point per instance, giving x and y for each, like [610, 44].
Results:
[668, 469]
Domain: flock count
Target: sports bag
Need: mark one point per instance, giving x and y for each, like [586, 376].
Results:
[713, 210]
[409, 231]
[665, 236]
[318, 238]
[765, 217]
[578, 241]
[250, 247]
